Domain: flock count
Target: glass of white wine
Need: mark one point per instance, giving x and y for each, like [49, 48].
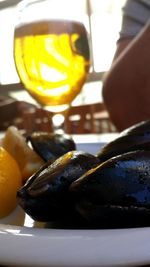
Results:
[51, 51]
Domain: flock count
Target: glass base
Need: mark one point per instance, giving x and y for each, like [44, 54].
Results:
[58, 117]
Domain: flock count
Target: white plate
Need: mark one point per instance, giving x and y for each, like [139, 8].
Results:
[22, 243]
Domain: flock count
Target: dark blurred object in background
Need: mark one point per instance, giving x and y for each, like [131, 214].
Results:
[23, 115]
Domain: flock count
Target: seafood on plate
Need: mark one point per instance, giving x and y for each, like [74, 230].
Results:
[136, 137]
[116, 192]
[45, 196]
[30, 153]
[33, 150]
[114, 189]
[51, 146]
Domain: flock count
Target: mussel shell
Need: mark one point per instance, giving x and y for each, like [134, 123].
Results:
[50, 146]
[116, 191]
[112, 216]
[136, 137]
[45, 196]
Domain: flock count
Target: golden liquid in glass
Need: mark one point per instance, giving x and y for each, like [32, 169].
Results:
[52, 60]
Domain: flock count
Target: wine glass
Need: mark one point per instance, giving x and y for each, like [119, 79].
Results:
[51, 52]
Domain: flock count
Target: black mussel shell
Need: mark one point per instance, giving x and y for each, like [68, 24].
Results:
[116, 192]
[50, 146]
[136, 137]
[45, 196]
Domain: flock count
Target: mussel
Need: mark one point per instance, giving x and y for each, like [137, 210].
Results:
[110, 189]
[116, 192]
[136, 137]
[50, 146]
[45, 196]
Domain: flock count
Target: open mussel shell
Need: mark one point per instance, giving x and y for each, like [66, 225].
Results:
[116, 192]
[136, 137]
[45, 196]
[51, 145]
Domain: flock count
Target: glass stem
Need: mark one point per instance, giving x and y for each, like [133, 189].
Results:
[58, 122]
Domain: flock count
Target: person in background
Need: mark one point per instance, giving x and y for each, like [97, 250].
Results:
[126, 86]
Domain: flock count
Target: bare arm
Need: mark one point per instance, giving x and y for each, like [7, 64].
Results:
[126, 89]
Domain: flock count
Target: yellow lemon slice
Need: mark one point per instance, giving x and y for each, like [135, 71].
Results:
[10, 182]
[28, 160]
